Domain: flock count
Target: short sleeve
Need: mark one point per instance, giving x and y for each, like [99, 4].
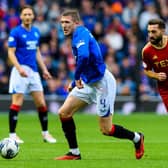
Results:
[12, 39]
[146, 63]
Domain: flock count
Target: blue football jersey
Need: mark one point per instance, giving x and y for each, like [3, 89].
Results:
[90, 66]
[26, 43]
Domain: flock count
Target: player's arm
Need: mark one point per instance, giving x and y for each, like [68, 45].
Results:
[14, 61]
[71, 86]
[82, 58]
[148, 70]
[43, 67]
[161, 76]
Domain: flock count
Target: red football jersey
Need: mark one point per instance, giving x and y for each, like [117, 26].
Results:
[156, 59]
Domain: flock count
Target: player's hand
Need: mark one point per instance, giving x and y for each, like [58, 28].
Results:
[162, 76]
[69, 89]
[22, 72]
[46, 75]
[79, 84]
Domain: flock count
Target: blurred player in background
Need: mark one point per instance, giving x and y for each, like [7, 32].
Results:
[24, 53]
[155, 57]
[93, 83]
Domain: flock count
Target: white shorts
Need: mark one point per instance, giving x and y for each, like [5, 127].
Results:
[102, 93]
[19, 84]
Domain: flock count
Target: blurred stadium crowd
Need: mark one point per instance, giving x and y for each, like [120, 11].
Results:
[118, 25]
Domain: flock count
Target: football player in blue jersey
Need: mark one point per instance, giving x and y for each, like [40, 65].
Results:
[24, 53]
[93, 83]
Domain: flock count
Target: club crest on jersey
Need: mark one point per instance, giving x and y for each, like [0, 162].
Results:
[155, 57]
[36, 34]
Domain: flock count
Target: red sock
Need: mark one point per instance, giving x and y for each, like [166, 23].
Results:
[112, 130]
[13, 113]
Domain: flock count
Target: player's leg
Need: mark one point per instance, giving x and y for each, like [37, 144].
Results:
[70, 106]
[40, 104]
[17, 101]
[165, 98]
[105, 108]
[17, 87]
[109, 129]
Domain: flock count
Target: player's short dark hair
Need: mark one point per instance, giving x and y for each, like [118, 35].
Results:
[26, 7]
[73, 13]
[159, 22]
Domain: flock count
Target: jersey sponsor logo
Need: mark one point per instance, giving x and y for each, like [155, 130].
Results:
[31, 45]
[80, 43]
[11, 39]
[162, 63]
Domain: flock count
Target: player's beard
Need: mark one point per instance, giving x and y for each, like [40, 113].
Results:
[27, 23]
[156, 41]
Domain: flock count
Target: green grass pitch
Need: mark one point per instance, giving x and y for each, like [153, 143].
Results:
[97, 151]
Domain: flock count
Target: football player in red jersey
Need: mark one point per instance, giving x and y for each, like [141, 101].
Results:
[155, 57]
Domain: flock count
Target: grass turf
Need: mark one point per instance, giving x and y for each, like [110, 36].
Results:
[98, 151]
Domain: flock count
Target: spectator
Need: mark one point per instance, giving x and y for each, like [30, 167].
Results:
[4, 81]
[41, 8]
[12, 18]
[43, 27]
[131, 12]
[88, 14]
[99, 16]
[148, 13]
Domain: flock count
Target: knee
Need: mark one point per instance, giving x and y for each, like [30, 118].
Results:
[63, 114]
[105, 131]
